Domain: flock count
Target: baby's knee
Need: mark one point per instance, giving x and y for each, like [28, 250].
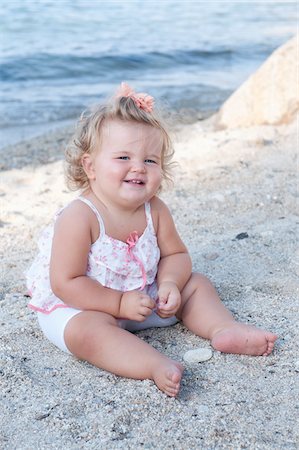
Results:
[200, 280]
[86, 332]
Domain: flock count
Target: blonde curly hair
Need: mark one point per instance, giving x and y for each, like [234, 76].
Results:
[88, 132]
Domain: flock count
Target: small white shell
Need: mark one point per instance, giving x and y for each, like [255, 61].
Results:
[198, 355]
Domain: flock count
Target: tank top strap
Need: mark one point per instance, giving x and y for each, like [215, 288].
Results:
[148, 215]
[94, 209]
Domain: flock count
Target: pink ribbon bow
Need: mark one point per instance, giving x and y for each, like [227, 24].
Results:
[132, 241]
[142, 100]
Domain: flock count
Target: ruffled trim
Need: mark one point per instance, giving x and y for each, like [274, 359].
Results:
[46, 311]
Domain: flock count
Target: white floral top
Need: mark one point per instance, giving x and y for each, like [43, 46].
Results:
[119, 265]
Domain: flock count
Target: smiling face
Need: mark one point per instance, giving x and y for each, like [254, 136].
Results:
[127, 169]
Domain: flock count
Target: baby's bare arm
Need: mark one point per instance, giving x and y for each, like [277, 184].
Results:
[175, 268]
[175, 264]
[71, 244]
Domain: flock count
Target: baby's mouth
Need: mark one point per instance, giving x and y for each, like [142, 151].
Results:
[134, 181]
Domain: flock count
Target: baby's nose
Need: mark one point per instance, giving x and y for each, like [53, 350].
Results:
[138, 166]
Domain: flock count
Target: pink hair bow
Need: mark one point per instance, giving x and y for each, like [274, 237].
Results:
[142, 100]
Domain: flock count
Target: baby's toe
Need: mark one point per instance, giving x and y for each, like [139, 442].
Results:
[171, 392]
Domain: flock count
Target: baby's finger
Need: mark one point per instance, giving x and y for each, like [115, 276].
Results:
[163, 297]
[164, 314]
[146, 311]
[140, 318]
[161, 305]
[165, 306]
[169, 311]
[148, 302]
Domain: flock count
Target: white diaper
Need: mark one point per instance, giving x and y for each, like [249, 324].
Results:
[53, 324]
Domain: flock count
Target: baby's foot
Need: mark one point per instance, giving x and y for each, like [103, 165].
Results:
[167, 377]
[244, 339]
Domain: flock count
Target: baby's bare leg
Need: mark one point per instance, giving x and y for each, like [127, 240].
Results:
[96, 337]
[203, 313]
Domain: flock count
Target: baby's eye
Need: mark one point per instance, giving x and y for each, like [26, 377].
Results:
[151, 161]
[125, 158]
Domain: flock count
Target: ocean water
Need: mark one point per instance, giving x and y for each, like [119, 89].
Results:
[59, 57]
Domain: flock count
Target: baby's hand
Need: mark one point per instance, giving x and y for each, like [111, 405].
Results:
[135, 305]
[169, 299]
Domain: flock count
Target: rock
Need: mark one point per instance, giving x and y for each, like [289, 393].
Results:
[268, 97]
[240, 236]
[42, 416]
[198, 355]
[211, 256]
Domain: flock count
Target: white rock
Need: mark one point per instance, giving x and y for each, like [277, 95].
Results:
[211, 256]
[269, 96]
[198, 355]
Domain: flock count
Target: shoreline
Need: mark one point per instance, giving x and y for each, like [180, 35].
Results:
[227, 182]
[23, 135]
[49, 146]
[12, 136]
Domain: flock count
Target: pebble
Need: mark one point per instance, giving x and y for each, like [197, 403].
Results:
[198, 355]
[42, 416]
[242, 236]
[211, 256]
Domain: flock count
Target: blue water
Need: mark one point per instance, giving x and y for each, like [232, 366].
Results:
[58, 57]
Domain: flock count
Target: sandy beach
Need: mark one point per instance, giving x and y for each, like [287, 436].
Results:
[234, 204]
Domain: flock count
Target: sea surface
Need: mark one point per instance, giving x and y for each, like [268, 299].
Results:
[59, 57]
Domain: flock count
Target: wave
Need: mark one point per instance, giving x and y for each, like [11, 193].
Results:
[47, 66]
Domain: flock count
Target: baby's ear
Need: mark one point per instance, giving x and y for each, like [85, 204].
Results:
[88, 166]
